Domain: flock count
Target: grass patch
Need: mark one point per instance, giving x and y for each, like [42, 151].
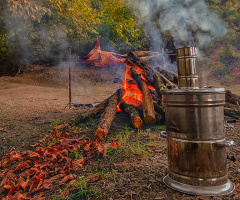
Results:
[55, 122]
[10, 123]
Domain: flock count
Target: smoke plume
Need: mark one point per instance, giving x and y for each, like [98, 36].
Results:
[181, 18]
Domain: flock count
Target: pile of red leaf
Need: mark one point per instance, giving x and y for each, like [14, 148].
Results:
[22, 175]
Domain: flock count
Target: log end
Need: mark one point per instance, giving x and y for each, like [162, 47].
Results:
[100, 133]
[149, 120]
[137, 122]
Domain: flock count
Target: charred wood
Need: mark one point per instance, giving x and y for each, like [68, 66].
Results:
[148, 107]
[159, 109]
[232, 98]
[154, 94]
[149, 79]
[133, 60]
[108, 114]
[169, 75]
[133, 113]
[158, 85]
[168, 82]
[160, 119]
[120, 81]
[234, 113]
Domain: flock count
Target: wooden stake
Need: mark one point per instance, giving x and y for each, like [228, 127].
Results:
[69, 79]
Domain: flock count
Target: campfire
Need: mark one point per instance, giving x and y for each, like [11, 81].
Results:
[138, 97]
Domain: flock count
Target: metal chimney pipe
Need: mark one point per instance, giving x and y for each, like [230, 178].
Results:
[187, 69]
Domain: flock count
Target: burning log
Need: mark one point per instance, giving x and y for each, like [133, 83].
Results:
[108, 114]
[120, 81]
[132, 112]
[133, 60]
[148, 107]
[160, 118]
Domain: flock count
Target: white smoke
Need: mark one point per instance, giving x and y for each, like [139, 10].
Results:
[180, 17]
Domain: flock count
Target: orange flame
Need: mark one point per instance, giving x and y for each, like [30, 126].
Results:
[132, 94]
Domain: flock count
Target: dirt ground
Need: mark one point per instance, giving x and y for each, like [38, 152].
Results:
[36, 100]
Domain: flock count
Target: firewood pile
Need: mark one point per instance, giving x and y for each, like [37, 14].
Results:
[140, 99]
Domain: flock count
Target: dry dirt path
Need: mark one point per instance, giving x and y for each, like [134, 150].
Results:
[35, 101]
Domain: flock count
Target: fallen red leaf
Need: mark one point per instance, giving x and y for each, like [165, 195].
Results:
[31, 155]
[14, 188]
[78, 163]
[102, 148]
[23, 184]
[64, 151]
[22, 166]
[95, 178]
[14, 156]
[7, 187]
[18, 196]
[41, 150]
[38, 197]
[87, 147]
[59, 127]
[115, 144]
[35, 190]
[63, 134]
[66, 178]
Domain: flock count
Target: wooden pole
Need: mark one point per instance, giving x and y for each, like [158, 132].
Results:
[69, 78]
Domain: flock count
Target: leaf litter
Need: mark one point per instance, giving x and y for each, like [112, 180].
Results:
[56, 161]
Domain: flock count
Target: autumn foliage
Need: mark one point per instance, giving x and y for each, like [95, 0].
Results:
[28, 174]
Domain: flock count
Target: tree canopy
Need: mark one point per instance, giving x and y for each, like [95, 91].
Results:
[40, 31]
[35, 31]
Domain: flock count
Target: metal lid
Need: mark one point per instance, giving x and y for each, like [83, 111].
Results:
[193, 91]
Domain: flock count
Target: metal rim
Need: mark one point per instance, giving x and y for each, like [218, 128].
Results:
[195, 91]
[199, 190]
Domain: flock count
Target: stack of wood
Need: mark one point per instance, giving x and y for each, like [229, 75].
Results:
[149, 110]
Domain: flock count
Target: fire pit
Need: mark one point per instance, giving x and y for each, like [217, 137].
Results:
[197, 160]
